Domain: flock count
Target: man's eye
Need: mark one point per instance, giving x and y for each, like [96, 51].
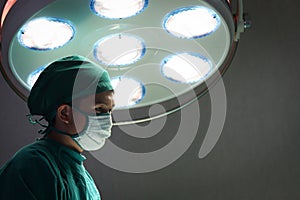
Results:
[101, 110]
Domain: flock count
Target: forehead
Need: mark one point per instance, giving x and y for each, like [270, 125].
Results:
[96, 99]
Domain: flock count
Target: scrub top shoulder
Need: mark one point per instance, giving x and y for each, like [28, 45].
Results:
[46, 170]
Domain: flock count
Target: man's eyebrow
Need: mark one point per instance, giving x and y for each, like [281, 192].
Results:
[99, 102]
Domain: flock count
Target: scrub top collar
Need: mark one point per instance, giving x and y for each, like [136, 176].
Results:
[76, 156]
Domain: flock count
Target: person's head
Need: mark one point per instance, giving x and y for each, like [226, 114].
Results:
[75, 96]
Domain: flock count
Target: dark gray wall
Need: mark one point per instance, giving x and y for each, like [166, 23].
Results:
[257, 155]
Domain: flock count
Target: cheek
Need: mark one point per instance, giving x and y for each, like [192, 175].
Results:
[79, 122]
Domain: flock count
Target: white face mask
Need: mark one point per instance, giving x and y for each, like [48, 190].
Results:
[97, 130]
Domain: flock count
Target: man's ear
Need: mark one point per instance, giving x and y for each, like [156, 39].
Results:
[64, 113]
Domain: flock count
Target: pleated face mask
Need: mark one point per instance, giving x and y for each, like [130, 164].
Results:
[96, 131]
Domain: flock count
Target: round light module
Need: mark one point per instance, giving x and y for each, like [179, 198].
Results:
[127, 91]
[191, 22]
[186, 68]
[33, 76]
[119, 49]
[45, 33]
[118, 9]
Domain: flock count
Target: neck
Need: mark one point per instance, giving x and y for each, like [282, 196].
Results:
[64, 140]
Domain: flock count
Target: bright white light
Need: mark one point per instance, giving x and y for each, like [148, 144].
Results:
[45, 33]
[117, 9]
[127, 91]
[119, 49]
[191, 22]
[186, 67]
[32, 78]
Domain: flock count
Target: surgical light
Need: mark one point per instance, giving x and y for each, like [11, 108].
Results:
[192, 22]
[34, 76]
[118, 9]
[156, 52]
[119, 50]
[128, 91]
[45, 33]
[186, 67]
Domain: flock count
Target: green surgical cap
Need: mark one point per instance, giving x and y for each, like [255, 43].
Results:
[65, 80]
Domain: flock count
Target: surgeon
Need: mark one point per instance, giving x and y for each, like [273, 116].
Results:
[75, 97]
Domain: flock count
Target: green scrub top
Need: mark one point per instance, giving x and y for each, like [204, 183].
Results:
[46, 170]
